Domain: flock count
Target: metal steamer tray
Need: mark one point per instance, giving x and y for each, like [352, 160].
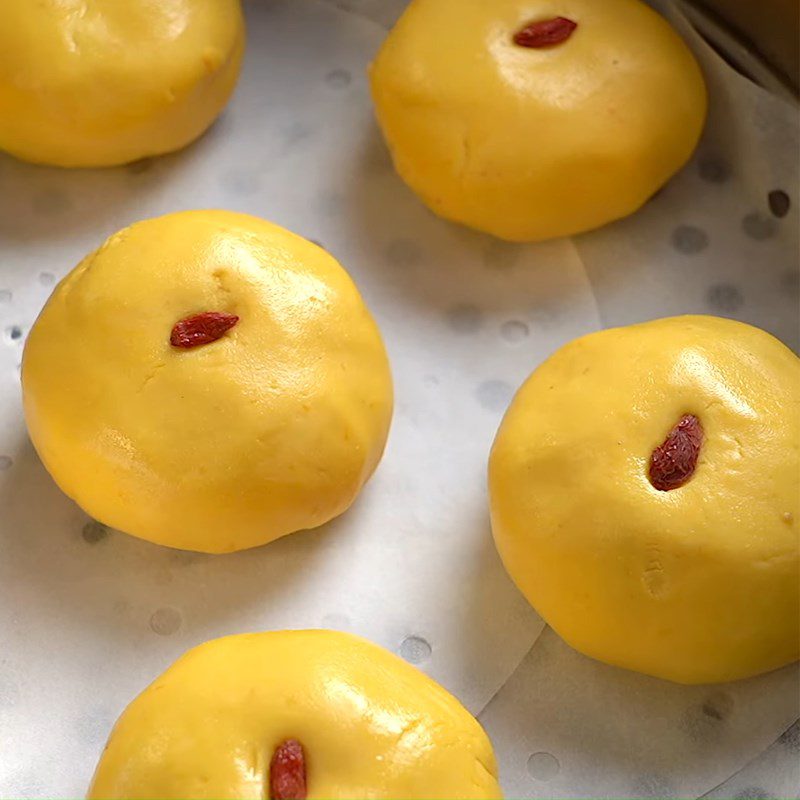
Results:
[90, 616]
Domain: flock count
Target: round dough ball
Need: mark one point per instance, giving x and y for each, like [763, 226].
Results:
[533, 143]
[370, 725]
[269, 429]
[94, 83]
[697, 583]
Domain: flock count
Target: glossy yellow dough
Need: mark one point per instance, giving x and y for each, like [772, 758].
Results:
[696, 584]
[371, 726]
[272, 428]
[533, 143]
[91, 83]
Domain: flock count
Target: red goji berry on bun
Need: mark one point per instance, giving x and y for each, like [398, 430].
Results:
[209, 381]
[532, 119]
[289, 715]
[645, 497]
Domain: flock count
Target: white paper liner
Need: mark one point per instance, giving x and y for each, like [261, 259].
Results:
[566, 726]
[88, 617]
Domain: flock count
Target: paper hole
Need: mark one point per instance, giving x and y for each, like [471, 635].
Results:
[724, 297]
[165, 621]
[415, 649]
[543, 766]
[688, 239]
[13, 333]
[514, 331]
[47, 278]
[94, 531]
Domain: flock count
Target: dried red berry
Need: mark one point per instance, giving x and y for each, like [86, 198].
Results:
[287, 772]
[674, 462]
[201, 329]
[546, 33]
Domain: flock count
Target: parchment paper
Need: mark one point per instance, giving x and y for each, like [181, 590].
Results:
[89, 616]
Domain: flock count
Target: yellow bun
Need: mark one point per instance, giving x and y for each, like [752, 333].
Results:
[90, 83]
[530, 144]
[272, 428]
[371, 726]
[696, 584]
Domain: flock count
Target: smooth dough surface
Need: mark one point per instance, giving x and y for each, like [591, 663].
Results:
[371, 725]
[698, 584]
[271, 429]
[91, 83]
[530, 144]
